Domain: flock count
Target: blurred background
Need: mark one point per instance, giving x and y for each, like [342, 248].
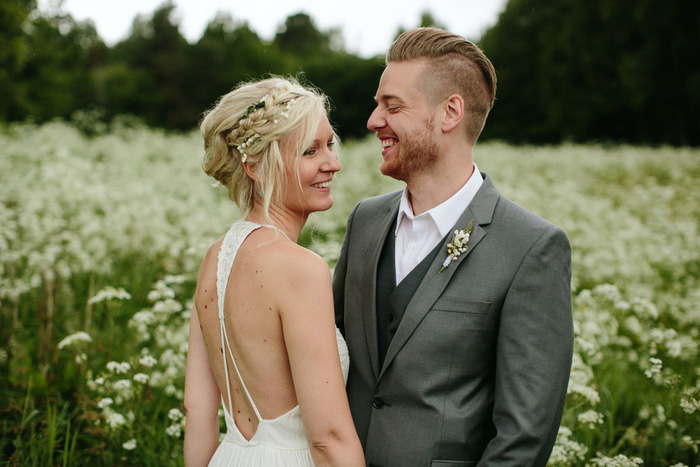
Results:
[568, 70]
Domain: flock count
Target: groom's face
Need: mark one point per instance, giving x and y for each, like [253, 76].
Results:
[403, 121]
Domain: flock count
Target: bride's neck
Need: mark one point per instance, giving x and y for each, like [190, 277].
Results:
[287, 222]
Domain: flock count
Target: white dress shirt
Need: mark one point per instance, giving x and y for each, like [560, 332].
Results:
[416, 236]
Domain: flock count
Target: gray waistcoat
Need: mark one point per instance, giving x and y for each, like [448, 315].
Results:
[393, 299]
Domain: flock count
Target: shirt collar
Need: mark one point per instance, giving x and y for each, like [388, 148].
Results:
[446, 214]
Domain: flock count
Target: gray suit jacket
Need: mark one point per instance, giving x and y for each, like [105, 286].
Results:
[477, 371]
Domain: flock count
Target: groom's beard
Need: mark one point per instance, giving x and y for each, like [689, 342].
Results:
[418, 152]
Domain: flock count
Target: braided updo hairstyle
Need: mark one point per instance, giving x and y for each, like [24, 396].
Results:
[251, 124]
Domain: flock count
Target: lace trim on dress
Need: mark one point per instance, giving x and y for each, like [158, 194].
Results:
[229, 247]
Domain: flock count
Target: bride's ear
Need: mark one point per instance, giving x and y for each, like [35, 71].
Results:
[249, 170]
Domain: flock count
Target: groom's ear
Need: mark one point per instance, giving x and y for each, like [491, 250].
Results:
[453, 108]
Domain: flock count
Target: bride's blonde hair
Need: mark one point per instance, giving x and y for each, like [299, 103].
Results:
[250, 124]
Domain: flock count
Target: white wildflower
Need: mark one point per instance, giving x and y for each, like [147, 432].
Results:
[656, 365]
[167, 306]
[587, 392]
[75, 338]
[115, 420]
[590, 418]
[171, 279]
[689, 400]
[174, 430]
[161, 292]
[130, 445]
[110, 293]
[117, 367]
[690, 444]
[105, 402]
[175, 415]
[122, 386]
[148, 361]
[645, 308]
[141, 378]
[618, 461]
[566, 451]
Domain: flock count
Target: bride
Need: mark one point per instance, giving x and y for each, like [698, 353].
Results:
[262, 336]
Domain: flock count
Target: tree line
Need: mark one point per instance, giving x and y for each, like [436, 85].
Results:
[568, 70]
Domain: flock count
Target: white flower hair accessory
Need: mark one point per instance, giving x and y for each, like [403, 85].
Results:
[256, 136]
[285, 112]
[457, 245]
[245, 144]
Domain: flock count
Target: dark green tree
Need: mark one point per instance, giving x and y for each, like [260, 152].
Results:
[228, 53]
[13, 53]
[54, 77]
[351, 83]
[299, 37]
[152, 65]
[597, 70]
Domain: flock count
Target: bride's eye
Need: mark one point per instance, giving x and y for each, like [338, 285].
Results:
[310, 152]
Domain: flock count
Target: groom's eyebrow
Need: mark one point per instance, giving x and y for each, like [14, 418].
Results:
[387, 97]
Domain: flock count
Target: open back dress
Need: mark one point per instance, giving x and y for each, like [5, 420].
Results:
[276, 442]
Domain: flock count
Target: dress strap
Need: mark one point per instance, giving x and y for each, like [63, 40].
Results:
[229, 247]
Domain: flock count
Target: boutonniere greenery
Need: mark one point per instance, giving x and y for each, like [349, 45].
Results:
[457, 245]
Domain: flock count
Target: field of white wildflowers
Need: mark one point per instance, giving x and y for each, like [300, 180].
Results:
[101, 238]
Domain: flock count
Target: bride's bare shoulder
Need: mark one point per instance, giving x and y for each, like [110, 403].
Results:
[288, 263]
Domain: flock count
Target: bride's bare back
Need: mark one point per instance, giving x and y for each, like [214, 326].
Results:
[253, 325]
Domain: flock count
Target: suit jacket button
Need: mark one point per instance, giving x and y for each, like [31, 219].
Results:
[377, 403]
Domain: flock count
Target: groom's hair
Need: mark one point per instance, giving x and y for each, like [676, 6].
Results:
[455, 65]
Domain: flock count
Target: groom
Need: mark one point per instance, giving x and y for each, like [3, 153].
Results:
[460, 356]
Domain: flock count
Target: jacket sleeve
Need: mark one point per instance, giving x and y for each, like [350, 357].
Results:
[339, 277]
[533, 359]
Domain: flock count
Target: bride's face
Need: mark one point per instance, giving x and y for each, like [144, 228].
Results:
[309, 190]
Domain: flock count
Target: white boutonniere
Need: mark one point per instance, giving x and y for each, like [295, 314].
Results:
[457, 245]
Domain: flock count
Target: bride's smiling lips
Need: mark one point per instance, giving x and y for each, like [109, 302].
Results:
[322, 185]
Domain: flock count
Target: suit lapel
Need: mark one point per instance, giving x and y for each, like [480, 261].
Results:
[431, 287]
[383, 225]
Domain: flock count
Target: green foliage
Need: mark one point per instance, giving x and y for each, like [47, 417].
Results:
[57, 66]
[568, 70]
[299, 37]
[597, 70]
[53, 78]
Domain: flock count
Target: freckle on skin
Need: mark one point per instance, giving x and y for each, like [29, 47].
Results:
[205, 307]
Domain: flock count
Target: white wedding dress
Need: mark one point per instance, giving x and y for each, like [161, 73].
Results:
[279, 441]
